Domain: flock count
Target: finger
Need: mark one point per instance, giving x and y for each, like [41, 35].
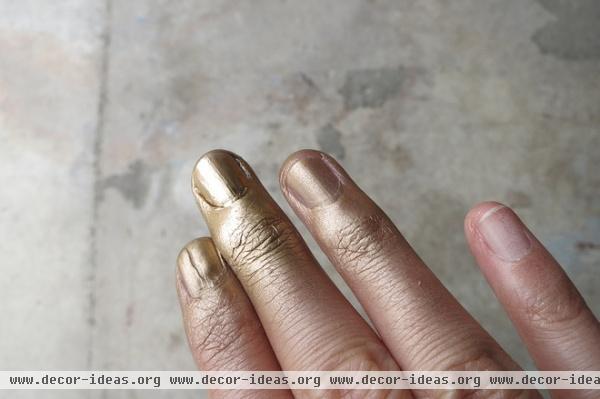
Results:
[552, 318]
[424, 327]
[310, 325]
[222, 328]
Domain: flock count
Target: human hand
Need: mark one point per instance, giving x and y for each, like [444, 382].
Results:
[270, 306]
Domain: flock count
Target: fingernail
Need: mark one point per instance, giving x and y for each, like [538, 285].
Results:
[313, 180]
[220, 178]
[200, 266]
[504, 234]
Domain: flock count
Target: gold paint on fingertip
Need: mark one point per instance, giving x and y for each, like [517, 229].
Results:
[313, 180]
[200, 266]
[220, 178]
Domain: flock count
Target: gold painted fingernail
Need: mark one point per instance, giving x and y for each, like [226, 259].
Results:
[200, 266]
[220, 178]
[313, 180]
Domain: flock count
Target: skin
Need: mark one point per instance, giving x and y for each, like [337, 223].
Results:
[254, 298]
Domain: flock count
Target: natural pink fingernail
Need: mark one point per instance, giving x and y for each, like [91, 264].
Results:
[504, 234]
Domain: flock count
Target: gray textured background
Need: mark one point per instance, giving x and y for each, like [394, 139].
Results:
[432, 105]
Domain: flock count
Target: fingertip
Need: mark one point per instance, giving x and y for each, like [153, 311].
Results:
[478, 213]
[219, 178]
[312, 179]
[199, 266]
[217, 155]
[292, 159]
